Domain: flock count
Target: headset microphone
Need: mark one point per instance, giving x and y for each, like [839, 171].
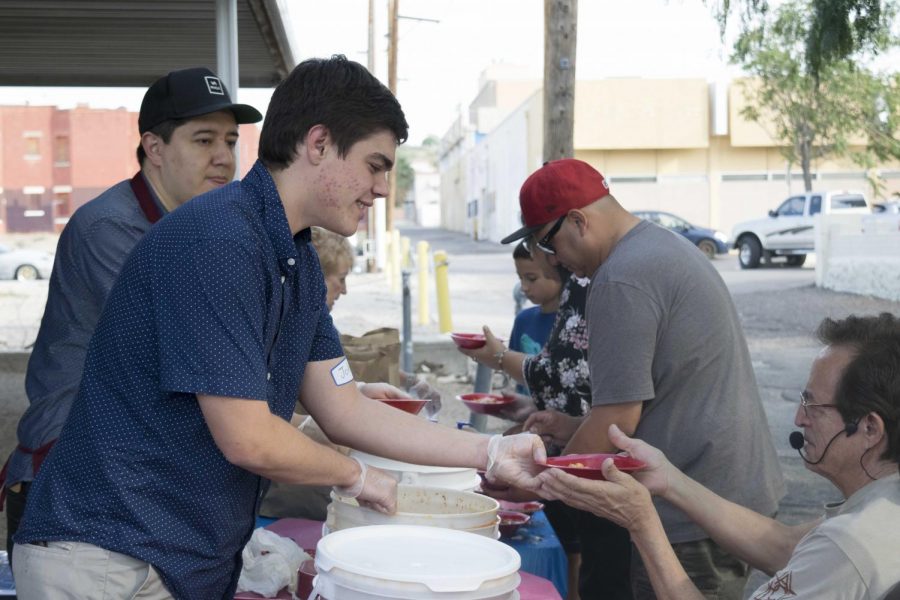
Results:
[796, 440]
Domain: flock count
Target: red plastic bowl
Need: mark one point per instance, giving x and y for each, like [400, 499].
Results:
[410, 405]
[589, 465]
[510, 521]
[469, 341]
[486, 404]
[305, 577]
[529, 508]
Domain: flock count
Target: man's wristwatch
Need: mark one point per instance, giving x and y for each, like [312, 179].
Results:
[499, 356]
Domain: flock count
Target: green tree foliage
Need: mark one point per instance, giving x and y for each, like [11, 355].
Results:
[837, 29]
[405, 175]
[815, 115]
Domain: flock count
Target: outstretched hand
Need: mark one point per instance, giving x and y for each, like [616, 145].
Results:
[515, 459]
[486, 354]
[553, 426]
[656, 475]
[382, 391]
[620, 498]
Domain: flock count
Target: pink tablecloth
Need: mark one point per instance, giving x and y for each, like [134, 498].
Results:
[307, 533]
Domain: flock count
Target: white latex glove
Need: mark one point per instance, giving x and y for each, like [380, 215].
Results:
[423, 391]
[373, 489]
[382, 391]
[513, 459]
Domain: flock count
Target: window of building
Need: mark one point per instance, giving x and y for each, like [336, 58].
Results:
[63, 202]
[32, 145]
[61, 151]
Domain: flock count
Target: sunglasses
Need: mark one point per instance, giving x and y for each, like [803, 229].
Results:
[544, 243]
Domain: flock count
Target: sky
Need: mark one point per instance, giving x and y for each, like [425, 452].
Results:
[439, 64]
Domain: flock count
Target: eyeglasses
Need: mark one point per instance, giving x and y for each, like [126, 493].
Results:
[544, 243]
[805, 403]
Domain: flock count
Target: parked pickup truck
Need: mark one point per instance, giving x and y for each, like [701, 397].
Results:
[788, 230]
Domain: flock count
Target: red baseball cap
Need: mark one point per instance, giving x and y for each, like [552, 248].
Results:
[555, 189]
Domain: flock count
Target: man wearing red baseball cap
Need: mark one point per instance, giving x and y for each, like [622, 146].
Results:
[668, 362]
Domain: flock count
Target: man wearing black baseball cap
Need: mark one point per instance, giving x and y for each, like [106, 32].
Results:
[188, 127]
[668, 364]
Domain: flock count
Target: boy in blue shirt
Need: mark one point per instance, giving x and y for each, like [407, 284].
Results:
[532, 325]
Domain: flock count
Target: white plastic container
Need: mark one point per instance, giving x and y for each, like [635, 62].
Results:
[454, 478]
[491, 530]
[418, 505]
[415, 563]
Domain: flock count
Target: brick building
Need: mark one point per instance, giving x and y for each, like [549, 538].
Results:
[53, 160]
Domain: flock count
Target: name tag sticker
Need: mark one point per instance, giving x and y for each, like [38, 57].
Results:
[341, 373]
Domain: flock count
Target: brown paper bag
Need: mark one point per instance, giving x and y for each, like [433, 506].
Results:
[374, 356]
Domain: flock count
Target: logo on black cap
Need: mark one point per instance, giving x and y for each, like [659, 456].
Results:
[214, 85]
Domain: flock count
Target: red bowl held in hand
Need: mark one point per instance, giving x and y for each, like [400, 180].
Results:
[510, 521]
[485, 404]
[410, 405]
[469, 341]
[528, 508]
[589, 465]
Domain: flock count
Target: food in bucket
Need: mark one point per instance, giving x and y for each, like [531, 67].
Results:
[589, 465]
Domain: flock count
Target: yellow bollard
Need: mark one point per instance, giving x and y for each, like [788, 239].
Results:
[395, 261]
[422, 259]
[404, 252]
[443, 291]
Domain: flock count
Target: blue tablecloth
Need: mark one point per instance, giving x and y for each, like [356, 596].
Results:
[541, 552]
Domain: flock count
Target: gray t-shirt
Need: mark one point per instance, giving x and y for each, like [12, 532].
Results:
[663, 330]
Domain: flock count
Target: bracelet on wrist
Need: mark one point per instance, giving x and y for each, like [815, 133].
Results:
[499, 356]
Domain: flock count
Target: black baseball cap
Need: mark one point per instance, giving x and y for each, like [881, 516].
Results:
[189, 93]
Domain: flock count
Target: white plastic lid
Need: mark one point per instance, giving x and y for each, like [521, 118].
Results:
[396, 465]
[444, 560]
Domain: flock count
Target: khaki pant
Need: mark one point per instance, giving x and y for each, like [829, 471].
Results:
[73, 570]
[717, 574]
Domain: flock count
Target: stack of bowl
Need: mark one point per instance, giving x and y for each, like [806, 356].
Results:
[425, 506]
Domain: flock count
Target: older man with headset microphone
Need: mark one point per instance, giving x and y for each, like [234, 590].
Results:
[849, 413]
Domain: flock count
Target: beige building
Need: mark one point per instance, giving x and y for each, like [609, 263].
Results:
[678, 145]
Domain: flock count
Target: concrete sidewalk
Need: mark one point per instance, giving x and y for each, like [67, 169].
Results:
[481, 281]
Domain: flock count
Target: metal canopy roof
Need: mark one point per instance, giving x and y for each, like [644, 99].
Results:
[133, 42]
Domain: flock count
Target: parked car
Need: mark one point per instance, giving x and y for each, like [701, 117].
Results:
[710, 241]
[24, 265]
[788, 230]
[887, 208]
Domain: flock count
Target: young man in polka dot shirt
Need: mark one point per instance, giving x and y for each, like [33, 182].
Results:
[214, 329]
[189, 129]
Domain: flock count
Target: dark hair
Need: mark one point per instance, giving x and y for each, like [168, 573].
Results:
[520, 252]
[871, 381]
[335, 92]
[164, 130]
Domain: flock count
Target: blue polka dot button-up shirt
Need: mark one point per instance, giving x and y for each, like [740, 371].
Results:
[217, 299]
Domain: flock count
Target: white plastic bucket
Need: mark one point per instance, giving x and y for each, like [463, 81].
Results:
[415, 563]
[491, 530]
[454, 478]
[419, 505]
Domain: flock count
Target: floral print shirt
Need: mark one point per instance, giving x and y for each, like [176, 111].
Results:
[558, 377]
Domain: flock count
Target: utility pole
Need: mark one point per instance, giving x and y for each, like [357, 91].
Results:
[376, 255]
[560, 33]
[392, 85]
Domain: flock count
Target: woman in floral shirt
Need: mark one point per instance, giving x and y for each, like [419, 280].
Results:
[558, 376]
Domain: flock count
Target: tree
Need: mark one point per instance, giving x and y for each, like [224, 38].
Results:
[406, 177]
[837, 29]
[815, 115]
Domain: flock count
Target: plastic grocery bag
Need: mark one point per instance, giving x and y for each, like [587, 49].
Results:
[270, 564]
